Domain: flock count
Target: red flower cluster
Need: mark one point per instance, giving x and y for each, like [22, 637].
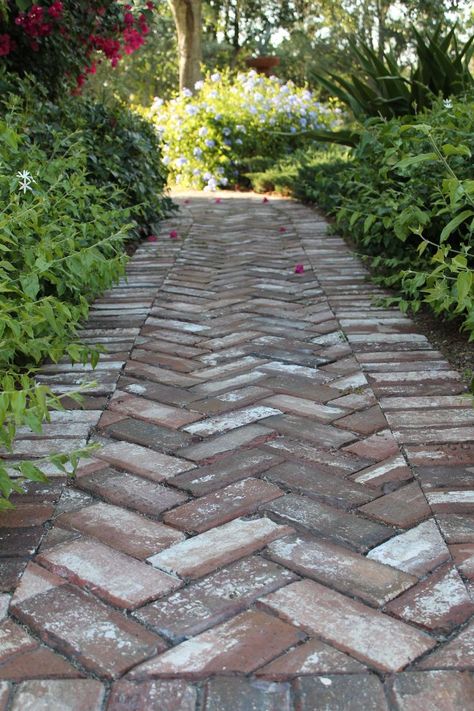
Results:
[108, 30]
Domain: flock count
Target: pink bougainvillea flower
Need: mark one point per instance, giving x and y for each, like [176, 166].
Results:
[152, 238]
[299, 269]
[186, 202]
[218, 201]
[173, 234]
[282, 229]
[265, 199]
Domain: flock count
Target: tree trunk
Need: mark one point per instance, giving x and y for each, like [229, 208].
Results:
[188, 21]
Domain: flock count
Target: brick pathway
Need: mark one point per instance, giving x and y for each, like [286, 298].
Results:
[281, 515]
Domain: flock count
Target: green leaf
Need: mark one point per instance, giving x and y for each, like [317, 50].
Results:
[416, 160]
[454, 224]
[463, 285]
[460, 150]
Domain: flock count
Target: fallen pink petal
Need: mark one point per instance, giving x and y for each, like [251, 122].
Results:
[265, 199]
[152, 238]
[173, 234]
[299, 269]
[218, 201]
[282, 229]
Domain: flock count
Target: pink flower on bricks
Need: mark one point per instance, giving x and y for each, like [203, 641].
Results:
[186, 202]
[265, 199]
[282, 229]
[152, 238]
[218, 201]
[173, 234]
[299, 269]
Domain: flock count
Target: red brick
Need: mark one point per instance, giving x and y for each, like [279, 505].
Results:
[158, 375]
[117, 578]
[243, 436]
[151, 411]
[224, 693]
[451, 501]
[20, 541]
[313, 657]
[132, 491]
[300, 387]
[26, 515]
[463, 555]
[378, 446]
[14, 640]
[349, 625]
[35, 580]
[11, 570]
[321, 520]
[228, 421]
[200, 555]
[241, 645]
[142, 461]
[456, 528]
[416, 551]
[436, 691]
[440, 602]
[403, 508]
[327, 488]
[162, 695]
[365, 423]
[304, 407]
[458, 653]
[238, 499]
[121, 529]
[230, 400]
[390, 470]
[323, 435]
[40, 663]
[101, 639]
[339, 567]
[345, 692]
[226, 470]
[214, 598]
[58, 695]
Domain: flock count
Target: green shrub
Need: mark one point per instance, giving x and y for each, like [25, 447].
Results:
[232, 126]
[122, 148]
[405, 196]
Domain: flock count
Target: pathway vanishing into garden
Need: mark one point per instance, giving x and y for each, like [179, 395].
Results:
[281, 515]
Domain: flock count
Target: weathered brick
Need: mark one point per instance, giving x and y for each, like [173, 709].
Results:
[436, 690]
[132, 491]
[14, 640]
[39, 663]
[317, 518]
[113, 576]
[416, 551]
[101, 639]
[458, 653]
[456, 528]
[453, 501]
[440, 602]
[339, 567]
[214, 598]
[225, 442]
[403, 508]
[346, 692]
[327, 488]
[312, 657]
[58, 695]
[20, 541]
[34, 581]
[304, 407]
[226, 470]
[230, 420]
[142, 461]
[240, 694]
[463, 556]
[349, 625]
[152, 411]
[162, 695]
[121, 529]
[200, 555]
[242, 497]
[365, 423]
[241, 645]
[331, 462]
[323, 435]
[161, 439]
[379, 446]
[25, 515]
[11, 570]
[390, 470]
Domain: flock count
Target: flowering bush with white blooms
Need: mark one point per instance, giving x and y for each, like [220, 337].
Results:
[229, 126]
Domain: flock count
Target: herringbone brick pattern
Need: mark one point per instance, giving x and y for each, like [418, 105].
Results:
[280, 516]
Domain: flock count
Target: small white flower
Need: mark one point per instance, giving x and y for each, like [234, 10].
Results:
[197, 152]
[215, 77]
[203, 131]
[25, 179]
[447, 103]
[198, 85]
[187, 92]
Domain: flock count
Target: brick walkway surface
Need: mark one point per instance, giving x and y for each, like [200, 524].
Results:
[280, 517]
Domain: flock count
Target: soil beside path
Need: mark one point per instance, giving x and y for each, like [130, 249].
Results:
[281, 513]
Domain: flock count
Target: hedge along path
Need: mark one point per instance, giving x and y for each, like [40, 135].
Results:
[280, 516]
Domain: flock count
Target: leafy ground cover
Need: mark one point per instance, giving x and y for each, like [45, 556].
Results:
[77, 179]
[405, 197]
